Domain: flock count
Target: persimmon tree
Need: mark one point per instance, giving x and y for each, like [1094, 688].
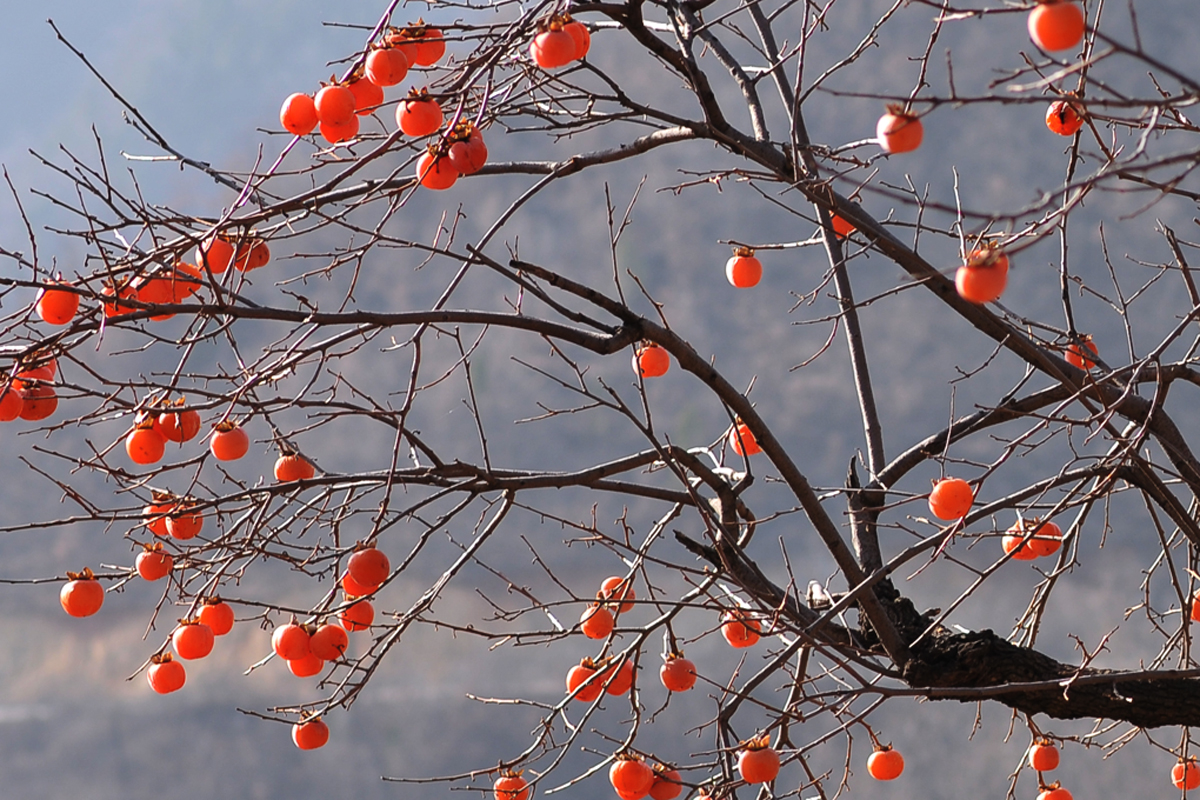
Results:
[264, 347]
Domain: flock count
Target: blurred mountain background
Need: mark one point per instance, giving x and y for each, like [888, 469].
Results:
[210, 76]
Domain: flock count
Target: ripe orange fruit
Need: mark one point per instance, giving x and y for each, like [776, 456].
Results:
[152, 563]
[306, 667]
[430, 47]
[154, 515]
[11, 401]
[666, 784]
[82, 595]
[216, 253]
[369, 567]
[1186, 774]
[298, 115]
[217, 615]
[583, 38]
[951, 498]
[165, 674]
[630, 776]
[290, 641]
[56, 306]
[1196, 608]
[184, 521]
[885, 764]
[38, 400]
[435, 171]
[155, 290]
[743, 270]
[178, 426]
[619, 680]
[1063, 118]
[293, 467]
[357, 616]
[329, 642]
[1056, 24]
[615, 587]
[584, 674]
[185, 281]
[310, 734]
[742, 440]
[983, 278]
[144, 444]
[510, 786]
[553, 48]
[1043, 756]
[406, 40]
[1047, 539]
[758, 762]
[368, 96]
[355, 589]
[1076, 355]
[386, 66]
[596, 622]
[229, 441]
[841, 228]
[254, 252]
[1013, 542]
[338, 132]
[1055, 792]
[740, 629]
[192, 639]
[468, 154]
[112, 308]
[419, 114]
[651, 361]
[899, 131]
[678, 674]
[334, 104]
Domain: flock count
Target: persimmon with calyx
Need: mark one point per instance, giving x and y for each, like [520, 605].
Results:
[619, 680]
[144, 444]
[585, 677]
[739, 628]
[1057, 24]
[293, 467]
[329, 642]
[467, 152]
[434, 170]
[1078, 353]
[1047, 539]
[56, 306]
[298, 115]
[291, 641]
[1054, 792]
[38, 399]
[983, 277]
[178, 426]
[758, 762]
[1186, 774]
[742, 440]
[254, 252]
[357, 616]
[82, 595]
[743, 270]
[951, 498]
[155, 290]
[419, 114]
[899, 131]
[334, 104]
[184, 521]
[885, 764]
[154, 515]
[614, 587]
[386, 66]
[651, 361]
[153, 564]
[596, 622]
[310, 734]
[369, 566]
[406, 40]
[630, 776]
[553, 47]
[579, 32]
[1064, 118]
[431, 45]
[677, 673]
[368, 96]
[216, 254]
[510, 786]
[1014, 542]
[165, 674]
[667, 785]
[217, 615]
[1043, 756]
[306, 666]
[192, 639]
[229, 441]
